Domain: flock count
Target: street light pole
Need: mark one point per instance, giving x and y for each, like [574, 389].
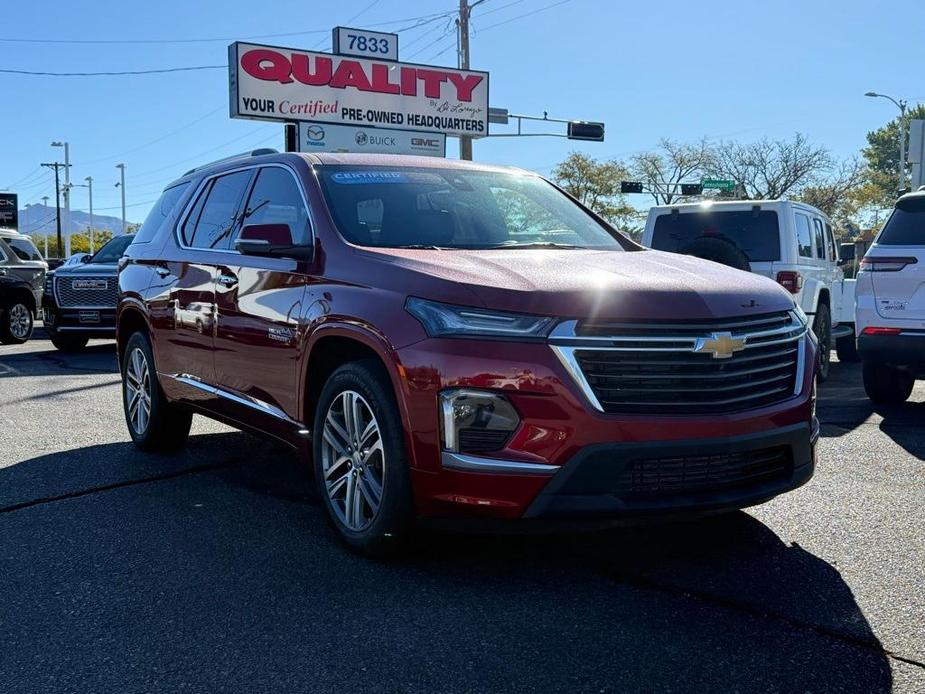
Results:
[121, 184]
[901, 105]
[89, 180]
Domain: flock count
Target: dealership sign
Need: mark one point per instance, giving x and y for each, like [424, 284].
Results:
[324, 137]
[284, 84]
[9, 210]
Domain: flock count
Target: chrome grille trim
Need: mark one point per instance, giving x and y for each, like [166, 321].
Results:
[66, 297]
[599, 378]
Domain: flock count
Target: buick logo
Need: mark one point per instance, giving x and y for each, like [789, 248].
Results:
[720, 345]
[361, 138]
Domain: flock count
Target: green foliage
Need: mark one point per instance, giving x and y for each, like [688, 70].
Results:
[882, 156]
[596, 184]
[80, 243]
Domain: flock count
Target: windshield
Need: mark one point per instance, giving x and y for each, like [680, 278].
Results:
[112, 251]
[755, 233]
[906, 226]
[451, 208]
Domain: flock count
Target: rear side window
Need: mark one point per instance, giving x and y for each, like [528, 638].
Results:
[804, 236]
[277, 199]
[755, 233]
[214, 214]
[24, 249]
[906, 226]
[159, 214]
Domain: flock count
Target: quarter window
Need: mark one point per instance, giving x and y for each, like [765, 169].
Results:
[154, 222]
[214, 217]
[277, 199]
[804, 236]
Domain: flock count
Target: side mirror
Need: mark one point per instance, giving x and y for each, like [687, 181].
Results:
[270, 240]
[86, 258]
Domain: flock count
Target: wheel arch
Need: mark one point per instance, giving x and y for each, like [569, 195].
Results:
[131, 320]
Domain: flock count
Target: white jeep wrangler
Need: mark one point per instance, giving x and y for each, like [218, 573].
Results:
[790, 242]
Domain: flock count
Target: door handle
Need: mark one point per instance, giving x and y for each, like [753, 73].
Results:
[227, 280]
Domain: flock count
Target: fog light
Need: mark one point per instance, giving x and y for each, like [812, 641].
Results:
[476, 421]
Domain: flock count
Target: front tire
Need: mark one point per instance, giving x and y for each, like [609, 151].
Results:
[887, 385]
[16, 323]
[822, 328]
[359, 458]
[153, 422]
[67, 343]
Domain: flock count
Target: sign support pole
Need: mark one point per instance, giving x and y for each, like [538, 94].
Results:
[462, 23]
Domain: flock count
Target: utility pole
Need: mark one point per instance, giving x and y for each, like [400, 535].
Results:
[67, 195]
[89, 180]
[56, 166]
[121, 184]
[45, 209]
[462, 26]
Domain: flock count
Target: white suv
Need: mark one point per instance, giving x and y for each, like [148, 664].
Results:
[890, 305]
[789, 242]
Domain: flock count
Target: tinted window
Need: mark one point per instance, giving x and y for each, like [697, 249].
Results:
[216, 220]
[830, 242]
[113, 250]
[276, 199]
[24, 249]
[158, 215]
[755, 233]
[455, 208]
[906, 226]
[804, 236]
[820, 238]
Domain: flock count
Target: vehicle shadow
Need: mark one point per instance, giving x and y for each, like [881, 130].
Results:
[224, 574]
[38, 357]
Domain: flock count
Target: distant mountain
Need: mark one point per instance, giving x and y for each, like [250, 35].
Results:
[38, 219]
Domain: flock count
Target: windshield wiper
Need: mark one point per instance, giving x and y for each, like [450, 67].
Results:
[535, 244]
[423, 247]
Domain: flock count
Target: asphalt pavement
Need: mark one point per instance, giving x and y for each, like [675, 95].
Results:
[213, 570]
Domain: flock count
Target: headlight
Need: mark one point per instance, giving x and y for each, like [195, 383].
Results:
[443, 320]
[475, 421]
[798, 312]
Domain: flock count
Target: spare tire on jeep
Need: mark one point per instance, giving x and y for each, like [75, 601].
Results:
[719, 250]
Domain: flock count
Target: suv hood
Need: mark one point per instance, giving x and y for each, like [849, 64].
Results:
[88, 269]
[637, 285]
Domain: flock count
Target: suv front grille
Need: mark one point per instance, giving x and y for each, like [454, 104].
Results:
[89, 291]
[660, 477]
[688, 368]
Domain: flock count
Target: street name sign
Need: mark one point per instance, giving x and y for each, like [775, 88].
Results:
[723, 184]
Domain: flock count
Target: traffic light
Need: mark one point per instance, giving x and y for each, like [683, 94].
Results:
[585, 130]
[691, 189]
[630, 186]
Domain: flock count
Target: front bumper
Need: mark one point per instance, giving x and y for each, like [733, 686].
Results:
[666, 478]
[906, 349]
[94, 323]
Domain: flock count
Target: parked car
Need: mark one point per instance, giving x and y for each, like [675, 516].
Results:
[890, 309]
[443, 338]
[79, 301]
[22, 274]
[790, 242]
[76, 259]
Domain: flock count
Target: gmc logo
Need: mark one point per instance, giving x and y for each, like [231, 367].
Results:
[424, 142]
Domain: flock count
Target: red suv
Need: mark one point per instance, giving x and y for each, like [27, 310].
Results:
[442, 338]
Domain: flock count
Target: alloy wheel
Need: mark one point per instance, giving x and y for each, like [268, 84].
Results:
[20, 321]
[353, 460]
[138, 391]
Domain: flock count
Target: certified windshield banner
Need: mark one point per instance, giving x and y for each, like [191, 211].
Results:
[284, 84]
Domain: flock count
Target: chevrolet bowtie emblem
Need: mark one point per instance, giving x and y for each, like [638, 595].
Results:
[720, 345]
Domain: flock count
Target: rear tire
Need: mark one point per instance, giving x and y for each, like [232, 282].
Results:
[371, 470]
[16, 323]
[847, 349]
[822, 328]
[153, 422]
[887, 385]
[68, 343]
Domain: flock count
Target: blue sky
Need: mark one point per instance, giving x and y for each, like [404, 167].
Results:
[649, 70]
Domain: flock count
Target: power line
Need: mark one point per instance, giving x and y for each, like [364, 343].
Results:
[525, 14]
[37, 169]
[122, 72]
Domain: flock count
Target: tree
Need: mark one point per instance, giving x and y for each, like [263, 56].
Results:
[841, 194]
[882, 156]
[664, 169]
[597, 186]
[80, 243]
[771, 168]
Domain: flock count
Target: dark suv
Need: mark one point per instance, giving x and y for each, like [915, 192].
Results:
[80, 300]
[22, 273]
[443, 338]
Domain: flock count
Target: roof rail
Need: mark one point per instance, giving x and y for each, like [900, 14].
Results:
[252, 153]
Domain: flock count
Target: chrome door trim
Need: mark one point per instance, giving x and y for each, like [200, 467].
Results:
[253, 403]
